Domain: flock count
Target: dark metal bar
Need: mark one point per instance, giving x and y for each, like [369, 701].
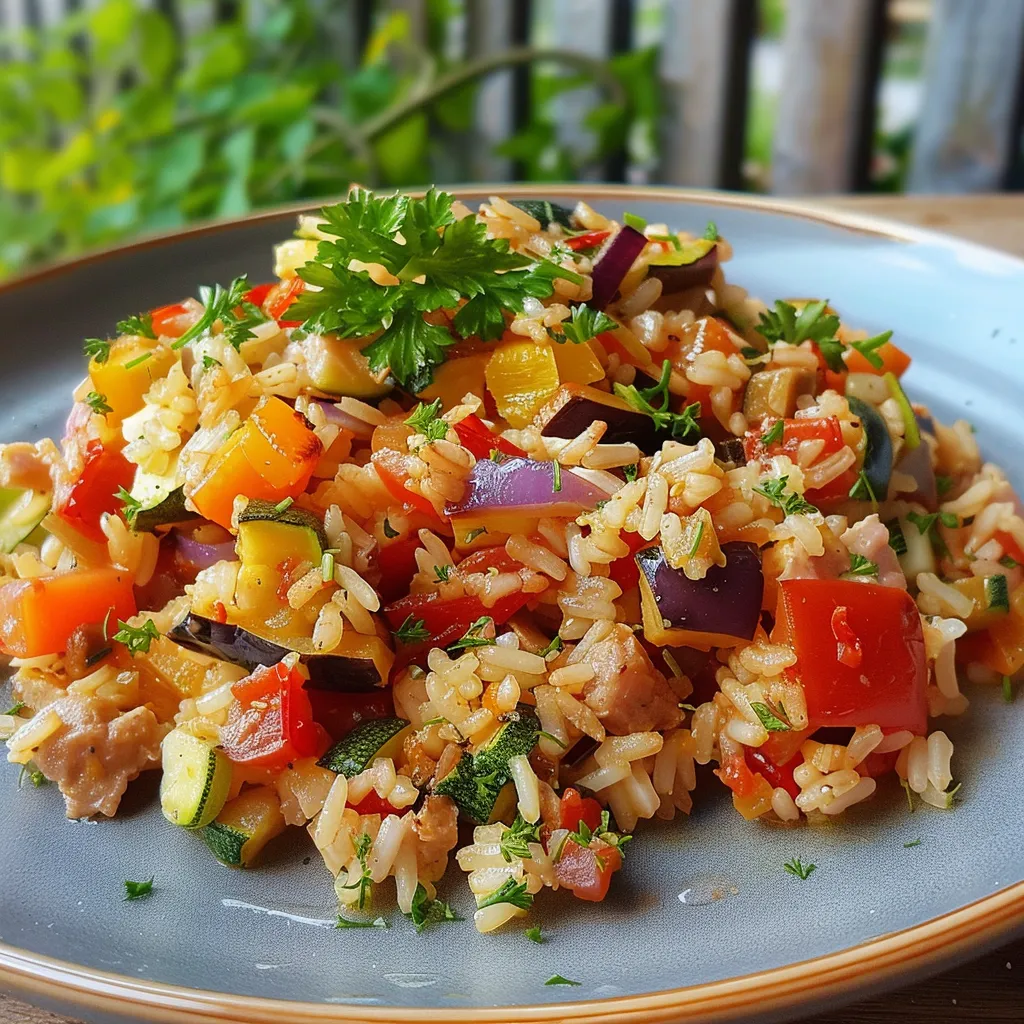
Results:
[873, 46]
[1013, 179]
[742, 30]
[620, 40]
[522, 85]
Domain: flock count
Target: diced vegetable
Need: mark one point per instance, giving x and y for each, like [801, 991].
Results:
[575, 808]
[338, 367]
[281, 296]
[382, 737]
[1001, 647]
[163, 503]
[21, 511]
[613, 263]
[521, 375]
[171, 321]
[573, 408]
[525, 486]
[357, 665]
[270, 722]
[894, 360]
[721, 610]
[267, 535]
[577, 364]
[200, 555]
[587, 870]
[480, 784]
[705, 334]
[81, 503]
[456, 378]
[245, 826]
[691, 266]
[917, 463]
[918, 555]
[475, 435]
[775, 392]
[196, 780]
[127, 373]
[877, 466]
[860, 652]
[340, 713]
[38, 615]
[545, 212]
[272, 456]
[991, 598]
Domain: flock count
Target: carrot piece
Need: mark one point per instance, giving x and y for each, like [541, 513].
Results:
[894, 360]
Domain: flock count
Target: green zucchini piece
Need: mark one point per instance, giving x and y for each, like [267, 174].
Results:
[355, 752]
[225, 843]
[878, 449]
[997, 593]
[195, 782]
[21, 511]
[481, 783]
[267, 534]
[544, 211]
[244, 826]
[167, 511]
[918, 555]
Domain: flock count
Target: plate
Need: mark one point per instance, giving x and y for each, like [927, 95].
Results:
[704, 923]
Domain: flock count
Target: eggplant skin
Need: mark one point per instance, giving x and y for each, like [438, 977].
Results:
[579, 412]
[238, 646]
[878, 451]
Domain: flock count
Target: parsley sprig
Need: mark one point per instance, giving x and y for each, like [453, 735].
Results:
[799, 869]
[426, 911]
[440, 263]
[98, 403]
[219, 303]
[516, 838]
[792, 503]
[363, 843]
[426, 420]
[586, 323]
[140, 324]
[136, 638]
[510, 891]
[655, 402]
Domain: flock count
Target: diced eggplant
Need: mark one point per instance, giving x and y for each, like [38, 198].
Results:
[731, 450]
[878, 449]
[721, 610]
[358, 665]
[573, 408]
[775, 392]
[545, 212]
[693, 266]
[612, 265]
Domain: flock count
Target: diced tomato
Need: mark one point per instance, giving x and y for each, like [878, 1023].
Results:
[339, 713]
[270, 723]
[392, 469]
[736, 774]
[280, 296]
[397, 564]
[81, 503]
[576, 808]
[623, 570]
[887, 684]
[489, 558]
[587, 871]
[171, 321]
[1009, 545]
[775, 774]
[258, 295]
[894, 360]
[373, 804]
[586, 241]
[475, 435]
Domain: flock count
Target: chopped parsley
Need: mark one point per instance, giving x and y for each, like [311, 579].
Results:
[557, 979]
[439, 262]
[792, 504]
[516, 838]
[97, 348]
[586, 323]
[556, 476]
[136, 638]
[868, 348]
[238, 326]
[680, 424]
[943, 485]
[556, 645]
[209, 362]
[861, 566]
[474, 636]
[711, 232]
[363, 843]
[412, 631]
[695, 546]
[862, 489]
[635, 222]
[98, 403]
[774, 434]
[473, 534]
[630, 471]
[1008, 689]
[927, 526]
[798, 868]
[219, 303]
[896, 539]
[140, 324]
[534, 935]
[771, 717]
[426, 420]
[785, 324]
[425, 911]
[554, 739]
[138, 360]
[136, 890]
[344, 922]
[497, 456]
[911, 844]
[443, 573]
[510, 891]
[16, 708]
[35, 776]
[1009, 562]
[130, 506]
[389, 531]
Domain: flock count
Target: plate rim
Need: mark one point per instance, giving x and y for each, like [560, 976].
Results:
[922, 948]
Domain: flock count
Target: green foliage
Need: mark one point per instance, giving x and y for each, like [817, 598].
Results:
[114, 122]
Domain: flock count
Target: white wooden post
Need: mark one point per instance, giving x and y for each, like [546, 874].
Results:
[973, 72]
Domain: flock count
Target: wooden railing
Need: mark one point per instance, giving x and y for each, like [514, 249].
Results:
[968, 135]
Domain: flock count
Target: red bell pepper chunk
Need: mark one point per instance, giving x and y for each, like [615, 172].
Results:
[258, 295]
[392, 469]
[280, 296]
[586, 870]
[775, 774]
[575, 808]
[170, 321]
[623, 570]
[397, 564]
[339, 713]
[883, 684]
[373, 804]
[475, 435]
[270, 723]
[81, 503]
[586, 241]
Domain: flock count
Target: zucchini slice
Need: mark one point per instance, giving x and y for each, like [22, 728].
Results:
[878, 447]
[195, 782]
[161, 499]
[21, 511]
[268, 534]
[245, 826]
[380, 737]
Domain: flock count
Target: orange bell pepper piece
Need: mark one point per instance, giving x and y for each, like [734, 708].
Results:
[37, 616]
[894, 360]
[272, 457]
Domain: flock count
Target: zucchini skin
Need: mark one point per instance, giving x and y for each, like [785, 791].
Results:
[180, 804]
[356, 751]
[878, 450]
[266, 511]
[169, 511]
[225, 843]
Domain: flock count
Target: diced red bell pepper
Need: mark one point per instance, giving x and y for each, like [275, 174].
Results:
[81, 503]
[258, 295]
[737, 775]
[170, 321]
[775, 774]
[575, 808]
[887, 684]
[280, 296]
[392, 469]
[1009, 545]
[270, 723]
[373, 804]
[339, 713]
[586, 241]
[623, 570]
[397, 564]
[587, 871]
[475, 435]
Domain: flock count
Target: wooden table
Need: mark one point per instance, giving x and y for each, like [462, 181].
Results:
[990, 990]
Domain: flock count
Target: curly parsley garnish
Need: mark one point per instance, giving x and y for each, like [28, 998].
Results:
[791, 503]
[136, 638]
[510, 891]
[140, 324]
[219, 303]
[412, 631]
[97, 348]
[586, 323]
[98, 403]
[680, 424]
[136, 890]
[426, 911]
[516, 838]
[426, 420]
[798, 868]
[439, 262]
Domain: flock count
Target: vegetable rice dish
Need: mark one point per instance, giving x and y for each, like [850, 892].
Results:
[474, 535]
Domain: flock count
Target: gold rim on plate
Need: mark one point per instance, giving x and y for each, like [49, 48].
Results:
[917, 950]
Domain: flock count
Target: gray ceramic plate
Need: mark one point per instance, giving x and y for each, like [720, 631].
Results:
[216, 944]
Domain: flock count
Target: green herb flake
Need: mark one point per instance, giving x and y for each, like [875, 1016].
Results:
[1008, 689]
[557, 644]
[475, 635]
[911, 844]
[534, 935]
[209, 362]
[557, 979]
[799, 869]
[861, 566]
[412, 631]
[35, 776]
[130, 506]
[136, 638]
[389, 531]
[1008, 562]
[426, 420]
[927, 526]
[138, 360]
[695, 546]
[327, 567]
[283, 505]
[16, 708]
[792, 503]
[896, 539]
[238, 323]
[473, 534]
[516, 838]
[139, 324]
[425, 911]
[655, 402]
[510, 891]
[774, 434]
[630, 472]
[443, 573]
[910, 794]
[862, 490]
[344, 922]
[586, 323]
[711, 232]
[136, 890]
[363, 843]
[770, 717]
[97, 349]
[556, 476]
[98, 403]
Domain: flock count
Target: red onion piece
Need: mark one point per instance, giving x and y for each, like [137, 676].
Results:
[202, 556]
[613, 264]
[917, 463]
[527, 486]
[343, 419]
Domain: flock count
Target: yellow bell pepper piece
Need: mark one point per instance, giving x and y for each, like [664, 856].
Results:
[456, 378]
[521, 376]
[577, 364]
[133, 365]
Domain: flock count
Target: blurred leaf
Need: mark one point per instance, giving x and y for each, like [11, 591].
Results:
[114, 219]
[455, 111]
[158, 46]
[72, 159]
[296, 138]
[401, 152]
[178, 161]
[395, 28]
[221, 58]
[279, 105]
[237, 150]
[18, 167]
[110, 26]
[276, 25]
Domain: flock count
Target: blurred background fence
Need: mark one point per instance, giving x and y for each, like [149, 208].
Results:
[120, 117]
